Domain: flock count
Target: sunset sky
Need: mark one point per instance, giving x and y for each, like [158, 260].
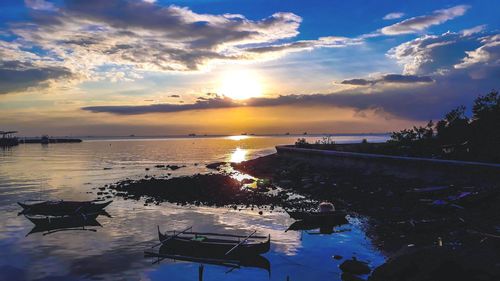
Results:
[150, 67]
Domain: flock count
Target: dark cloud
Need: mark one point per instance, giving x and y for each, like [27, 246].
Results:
[166, 107]
[389, 78]
[357, 82]
[18, 76]
[175, 96]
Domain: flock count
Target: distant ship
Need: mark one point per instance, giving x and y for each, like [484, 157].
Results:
[192, 135]
[8, 139]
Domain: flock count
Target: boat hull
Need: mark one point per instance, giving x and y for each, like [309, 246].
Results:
[61, 208]
[213, 247]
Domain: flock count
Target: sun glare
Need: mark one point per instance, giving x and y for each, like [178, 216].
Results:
[238, 155]
[240, 84]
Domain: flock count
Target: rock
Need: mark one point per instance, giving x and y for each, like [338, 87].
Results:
[215, 166]
[173, 167]
[355, 267]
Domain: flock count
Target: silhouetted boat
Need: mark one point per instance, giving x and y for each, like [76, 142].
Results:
[167, 252]
[224, 245]
[50, 224]
[60, 208]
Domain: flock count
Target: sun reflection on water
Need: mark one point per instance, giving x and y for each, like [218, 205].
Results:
[238, 155]
[238, 137]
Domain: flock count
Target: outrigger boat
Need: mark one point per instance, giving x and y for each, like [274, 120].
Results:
[215, 244]
[61, 208]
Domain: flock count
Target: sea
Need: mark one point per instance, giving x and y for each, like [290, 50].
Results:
[114, 248]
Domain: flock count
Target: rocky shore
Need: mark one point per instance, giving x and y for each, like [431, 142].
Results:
[428, 231]
[219, 190]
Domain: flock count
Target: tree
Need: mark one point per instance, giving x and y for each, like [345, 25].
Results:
[454, 128]
[486, 118]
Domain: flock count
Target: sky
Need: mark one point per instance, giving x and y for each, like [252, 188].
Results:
[145, 67]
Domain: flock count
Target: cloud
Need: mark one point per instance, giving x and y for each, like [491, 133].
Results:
[392, 16]
[473, 30]
[389, 78]
[434, 54]
[200, 104]
[486, 55]
[40, 5]
[322, 42]
[440, 73]
[117, 39]
[148, 36]
[420, 23]
[17, 76]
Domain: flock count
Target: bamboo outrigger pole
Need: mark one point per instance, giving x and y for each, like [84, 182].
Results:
[243, 241]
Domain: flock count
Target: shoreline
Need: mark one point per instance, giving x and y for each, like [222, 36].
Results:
[408, 219]
[420, 226]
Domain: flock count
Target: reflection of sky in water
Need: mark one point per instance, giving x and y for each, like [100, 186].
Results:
[115, 251]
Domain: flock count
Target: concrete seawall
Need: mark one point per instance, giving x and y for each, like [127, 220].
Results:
[430, 170]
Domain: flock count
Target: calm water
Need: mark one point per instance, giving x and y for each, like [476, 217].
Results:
[114, 251]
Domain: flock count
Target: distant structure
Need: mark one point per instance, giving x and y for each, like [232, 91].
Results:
[7, 138]
[45, 139]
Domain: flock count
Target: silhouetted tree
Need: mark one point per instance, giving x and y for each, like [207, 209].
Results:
[454, 128]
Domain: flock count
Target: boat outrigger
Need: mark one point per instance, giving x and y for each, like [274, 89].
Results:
[61, 208]
[215, 244]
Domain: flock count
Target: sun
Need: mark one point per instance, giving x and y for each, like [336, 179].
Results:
[240, 84]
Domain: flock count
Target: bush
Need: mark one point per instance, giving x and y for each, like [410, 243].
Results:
[302, 143]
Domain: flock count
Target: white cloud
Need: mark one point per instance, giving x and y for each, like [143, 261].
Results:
[420, 23]
[40, 5]
[475, 29]
[488, 53]
[392, 16]
[439, 54]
